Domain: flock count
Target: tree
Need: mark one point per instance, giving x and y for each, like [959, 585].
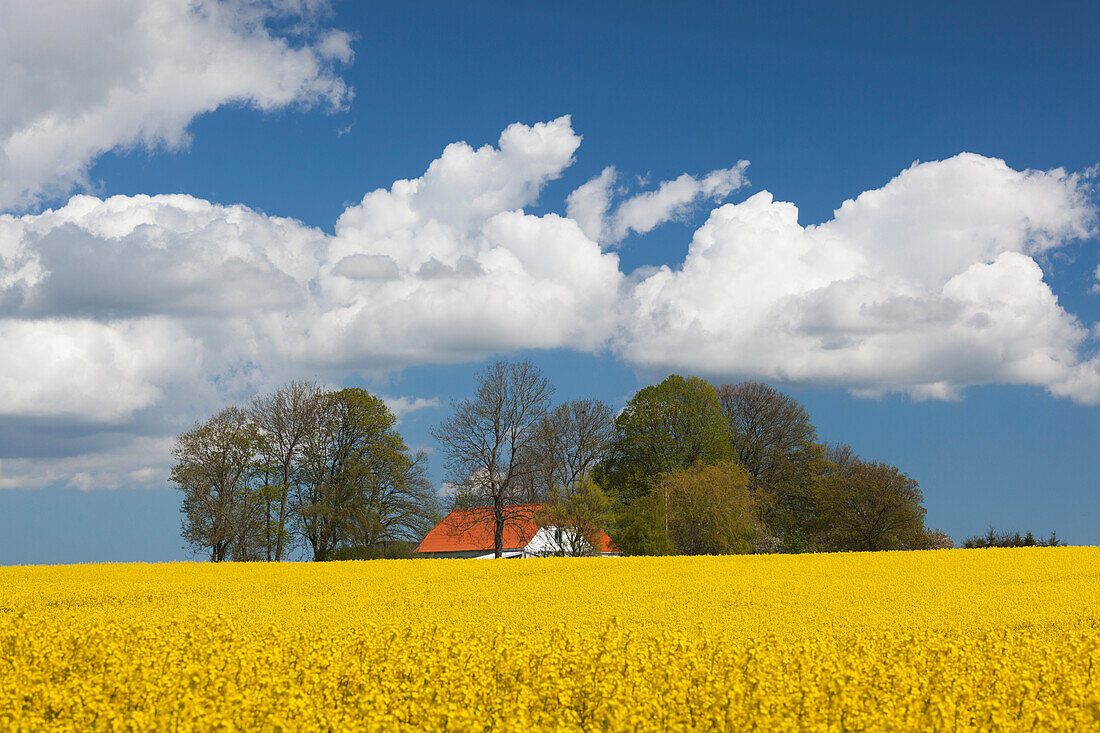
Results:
[331, 463]
[993, 538]
[710, 509]
[935, 539]
[773, 438]
[839, 456]
[570, 440]
[577, 518]
[356, 484]
[489, 440]
[640, 527]
[352, 452]
[396, 501]
[285, 418]
[214, 461]
[664, 427]
[867, 505]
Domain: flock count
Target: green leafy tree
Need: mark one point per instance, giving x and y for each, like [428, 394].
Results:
[328, 467]
[214, 462]
[398, 503]
[709, 509]
[664, 427]
[868, 505]
[640, 527]
[577, 517]
[357, 485]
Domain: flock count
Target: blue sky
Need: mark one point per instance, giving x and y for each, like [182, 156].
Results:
[932, 300]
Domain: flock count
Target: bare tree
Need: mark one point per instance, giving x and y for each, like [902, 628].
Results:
[839, 456]
[285, 418]
[488, 442]
[570, 440]
[213, 467]
[769, 429]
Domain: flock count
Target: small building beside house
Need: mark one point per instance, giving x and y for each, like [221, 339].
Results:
[468, 533]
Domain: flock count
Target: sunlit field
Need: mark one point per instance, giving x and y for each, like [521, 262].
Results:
[956, 639]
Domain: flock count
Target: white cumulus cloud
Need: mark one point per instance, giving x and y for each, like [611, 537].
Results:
[96, 75]
[926, 285]
[124, 319]
[402, 406]
[111, 307]
[590, 204]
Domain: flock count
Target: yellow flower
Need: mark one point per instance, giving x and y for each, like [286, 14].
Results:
[962, 639]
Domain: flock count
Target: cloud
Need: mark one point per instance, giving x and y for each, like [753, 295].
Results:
[590, 204]
[926, 286]
[133, 303]
[98, 75]
[128, 462]
[472, 273]
[366, 267]
[136, 256]
[97, 371]
[402, 406]
[134, 315]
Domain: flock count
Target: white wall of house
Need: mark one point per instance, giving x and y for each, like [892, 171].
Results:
[555, 540]
[475, 554]
[549, 541]
[503, 553]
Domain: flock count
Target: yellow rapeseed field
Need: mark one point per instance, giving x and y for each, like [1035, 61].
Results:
[945, 640]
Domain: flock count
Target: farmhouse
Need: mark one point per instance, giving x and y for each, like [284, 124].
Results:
[469, 533]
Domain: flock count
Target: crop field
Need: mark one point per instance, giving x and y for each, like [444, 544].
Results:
[946, 640]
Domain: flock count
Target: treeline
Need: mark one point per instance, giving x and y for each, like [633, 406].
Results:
[785, 490]
[301, 466]
[994, 538]
[685, 467]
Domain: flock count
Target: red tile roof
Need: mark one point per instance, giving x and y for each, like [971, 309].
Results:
[464, 530]
[469, 530]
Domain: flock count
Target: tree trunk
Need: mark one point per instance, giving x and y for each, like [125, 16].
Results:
[267, 513]
[498, 527]
[282, 512]
[317, 542]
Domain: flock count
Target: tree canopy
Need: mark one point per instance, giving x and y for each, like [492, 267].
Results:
[683, 468]
[489, 442]
[326, 468]
[773, 439]
[665, 427]
[868, 505]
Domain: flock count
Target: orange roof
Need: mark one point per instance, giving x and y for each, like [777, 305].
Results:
[466, 530]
